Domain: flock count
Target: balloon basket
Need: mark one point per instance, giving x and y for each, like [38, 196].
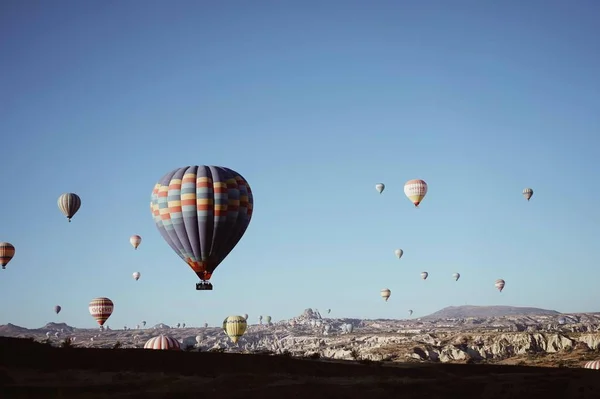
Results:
[204, 286]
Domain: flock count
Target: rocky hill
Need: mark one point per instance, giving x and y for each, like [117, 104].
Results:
[455, 312]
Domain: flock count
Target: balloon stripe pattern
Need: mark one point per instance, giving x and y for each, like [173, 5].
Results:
[202, 212]
[415, 190]
[235, 327]
[7, 252]
[101, 309]
[69, 204]
[593, 365]
[163, 342]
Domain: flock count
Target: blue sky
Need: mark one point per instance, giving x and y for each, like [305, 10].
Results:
[313, 103]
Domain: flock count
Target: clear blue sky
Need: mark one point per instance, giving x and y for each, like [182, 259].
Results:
[313, 103]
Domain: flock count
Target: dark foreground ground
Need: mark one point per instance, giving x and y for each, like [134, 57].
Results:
[31, 370]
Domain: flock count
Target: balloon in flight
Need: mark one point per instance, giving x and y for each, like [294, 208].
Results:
[380, 187]
[399, 253]
[57, 309]
[528, 193]
[101, 309]
[202, 212]
[246, 316]
[163, 342]
[135, 241]
[456, 276]
[385, 294]
[235, 327]
[69, 204]
[500, 284]
[136, 276]
[424, 275]
[410, 312]
[415, 190]
[7, 252]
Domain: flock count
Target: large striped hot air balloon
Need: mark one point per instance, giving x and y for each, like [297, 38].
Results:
[69, 204]
[235, 327]
[7, 252]
[593, 365]
[202, 212]
[415, 190]
[163, 342]
[385, 294]
[500, 284]
[101, 309]
[135, 241]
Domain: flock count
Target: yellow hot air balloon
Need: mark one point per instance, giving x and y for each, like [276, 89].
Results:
[235, 327]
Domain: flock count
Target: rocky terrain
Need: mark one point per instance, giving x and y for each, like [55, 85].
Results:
[463, 334]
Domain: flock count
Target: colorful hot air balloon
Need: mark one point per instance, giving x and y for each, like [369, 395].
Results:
[593, 365]
[456, 276]
[101, 309]
[385, 294]
[234, 327]
[135, 241]
[410, 312]
[202, 212]
[415, 190]
[7, 252]
[399, 253]
[69, 204]
[500, 284]
[380, 187]
[424, 275]
[528, 193]
[136, 276]
[163, 342]
[57, 309]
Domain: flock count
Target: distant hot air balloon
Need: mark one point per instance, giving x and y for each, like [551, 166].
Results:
[202, 212]
[57, 309]
[69, 204]
[593, 365]
[380, 187]
[205, 325]
[328, 311]
[246, 316]
[349, 328]
[163, 342]
[198, 339]
[456, 276]
[101, 309]
[234, 327]
[178, 325]
[500, 284]
[7, 252]
[528, 193]
[399, 253]
[135, 241]
[410, 312]
[136, 276]
[260, 319]
[424, 275]
[415, 190]
[183, 325]
[143, 324]
[385, 294]
[268, 320]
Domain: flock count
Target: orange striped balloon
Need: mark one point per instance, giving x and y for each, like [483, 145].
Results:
[7, 251]
[101, 309]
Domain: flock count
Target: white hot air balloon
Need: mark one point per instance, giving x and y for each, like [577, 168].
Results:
[380, 187]
[385, 294]
[349, 328]
[528, 193]
[424, 275]
[593, 365]
[163, 342]
[136, 276]
[399, 253]
[135, 241]
[415, 190]
[456, 276]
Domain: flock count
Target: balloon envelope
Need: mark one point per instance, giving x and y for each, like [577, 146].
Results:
[385, 294]
[202, 212]
[500, 284]
[528, 193]
[69, 204]
[57, 309]
[136, 276]
[101, 309]
[7, 252]
[456, 276]
[234, 327]
[380, 187]
[399, 253]
[135, 241]
[424, 275]
[415, 190]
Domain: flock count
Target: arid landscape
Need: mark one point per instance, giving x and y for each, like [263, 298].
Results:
[456, 352]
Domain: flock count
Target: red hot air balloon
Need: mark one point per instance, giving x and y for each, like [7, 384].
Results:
[7, 252]
[101, 309]
[202, 212]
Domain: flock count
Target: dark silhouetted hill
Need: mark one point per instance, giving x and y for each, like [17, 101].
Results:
[459, 312]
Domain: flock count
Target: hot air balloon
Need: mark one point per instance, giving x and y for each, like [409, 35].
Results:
[456, 276]
[163, 342]
[415, 190]
[7, 252]
[57, 309]
[349, 328]
[135, 241]
[202, 212]
[260, 319]
[246, 316]
[593, 365]
[136, 276]
[205, 325]
[500, 284]
[69, 204]
[268, 320]
[380, 187]
[328, 311]
[198, 339]
[143, 324]
[528, 193]
[410, 312]
[424, 275]
[234, 327]
[183, 325]
[399, 253]
[385, 294]
[101, 309]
